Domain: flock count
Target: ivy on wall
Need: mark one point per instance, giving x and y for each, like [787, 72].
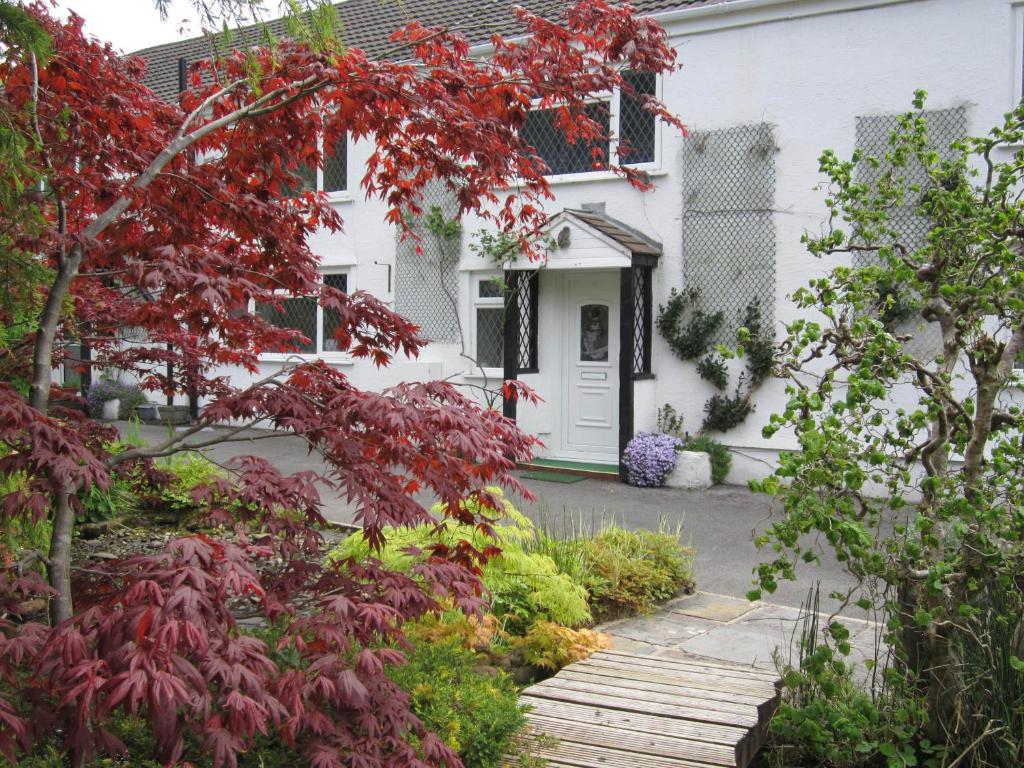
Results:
[690, 331]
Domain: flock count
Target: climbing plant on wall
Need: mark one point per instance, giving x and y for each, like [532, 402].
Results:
[690, 330]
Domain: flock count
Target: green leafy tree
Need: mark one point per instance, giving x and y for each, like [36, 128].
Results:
[911, 466]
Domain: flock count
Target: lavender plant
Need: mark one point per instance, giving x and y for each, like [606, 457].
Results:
[649, 458]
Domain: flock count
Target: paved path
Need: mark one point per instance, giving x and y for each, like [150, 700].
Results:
[729, 629]
[719, 523]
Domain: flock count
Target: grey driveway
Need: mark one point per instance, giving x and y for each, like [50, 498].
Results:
[720, 523]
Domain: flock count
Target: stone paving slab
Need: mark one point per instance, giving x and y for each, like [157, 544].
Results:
[663, 628]
[705, 605]
[728, 629]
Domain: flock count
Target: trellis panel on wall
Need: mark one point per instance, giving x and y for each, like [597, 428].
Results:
[426, 284]
[728, 226]
[873, 134]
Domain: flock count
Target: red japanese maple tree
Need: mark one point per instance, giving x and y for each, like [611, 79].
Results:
[172, 219]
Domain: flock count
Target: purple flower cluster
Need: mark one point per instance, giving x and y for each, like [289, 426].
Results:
[649, 458]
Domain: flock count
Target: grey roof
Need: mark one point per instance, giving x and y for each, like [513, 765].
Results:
[368, 24]
[623, 234]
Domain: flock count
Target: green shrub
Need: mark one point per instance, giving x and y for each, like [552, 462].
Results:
[630, 571]
[18, 534]
[190, 469]
[551, 646]
[476, 714]
[721, 459]
[827, 719]
[119, 500]
[525, 585]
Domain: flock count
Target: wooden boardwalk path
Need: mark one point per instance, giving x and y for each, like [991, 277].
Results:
[620, 710]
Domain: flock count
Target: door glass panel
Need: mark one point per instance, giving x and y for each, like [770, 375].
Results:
[594, 333]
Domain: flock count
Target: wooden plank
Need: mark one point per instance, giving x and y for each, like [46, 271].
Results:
[645, 677]
[743, 671]
[727, 676]
[599, 676]
[656, 744]
[583, 755]
[703, 678]
[680, 708]
[624, 679]
[603, 686]
[615, 718]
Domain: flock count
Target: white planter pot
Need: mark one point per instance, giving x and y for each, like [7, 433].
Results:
[110, 409]
[693, 470]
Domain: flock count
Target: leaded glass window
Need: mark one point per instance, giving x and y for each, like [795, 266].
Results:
[489, 320]
[541, 132]
[642, 300]
[305, 315]
[637, 129]
[634, 129]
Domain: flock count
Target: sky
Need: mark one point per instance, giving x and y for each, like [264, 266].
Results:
[133, 24]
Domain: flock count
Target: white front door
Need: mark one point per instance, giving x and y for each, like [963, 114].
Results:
[591, 413]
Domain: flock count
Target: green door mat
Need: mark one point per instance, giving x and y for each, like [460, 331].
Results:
[553, 477]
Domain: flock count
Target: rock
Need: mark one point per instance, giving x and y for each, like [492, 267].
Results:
[105, 556]
[693, 471]
[90, 531]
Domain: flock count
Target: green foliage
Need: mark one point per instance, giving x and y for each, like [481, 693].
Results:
[119, 500]
[499, 248]
[826, 718]
[689, 331]
[721, 459]
[525, 586]
[551, 646]
[476, 714]
[713, 369]
[20, 535]
[190, 469]
[670, 422]
[724, 412]
[631, 571]
[911, 464]
[437, 224]
[686, 327]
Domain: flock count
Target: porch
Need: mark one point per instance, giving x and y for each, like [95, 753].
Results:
[590, 298]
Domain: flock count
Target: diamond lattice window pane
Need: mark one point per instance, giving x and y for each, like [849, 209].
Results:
[540, 132]
[527, 306]
[336, 166]
[303, 180]
[339, 282]
[297, 315]
[641, 320]
[636, 127]
[490, 336]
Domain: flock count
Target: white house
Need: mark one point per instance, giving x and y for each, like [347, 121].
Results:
[765, 86]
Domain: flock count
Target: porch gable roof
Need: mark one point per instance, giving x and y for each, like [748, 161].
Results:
[591, 239]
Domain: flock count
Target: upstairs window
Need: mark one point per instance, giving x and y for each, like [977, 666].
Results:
[633, 132]
[333, 178]
[305, 315]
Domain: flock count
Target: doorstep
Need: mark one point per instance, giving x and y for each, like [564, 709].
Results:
[594, 470]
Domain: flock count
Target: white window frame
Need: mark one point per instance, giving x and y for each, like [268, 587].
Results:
[613, 100]
[476, 301]
[331, 356]
[340, 195]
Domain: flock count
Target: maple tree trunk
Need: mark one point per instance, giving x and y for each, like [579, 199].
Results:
[59, 560]
[62, 606]
[49, 320]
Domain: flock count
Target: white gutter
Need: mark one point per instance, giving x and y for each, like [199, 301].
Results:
[743, 13]
[738, 13]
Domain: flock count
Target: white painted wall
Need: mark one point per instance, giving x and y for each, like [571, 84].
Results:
[808, 67]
